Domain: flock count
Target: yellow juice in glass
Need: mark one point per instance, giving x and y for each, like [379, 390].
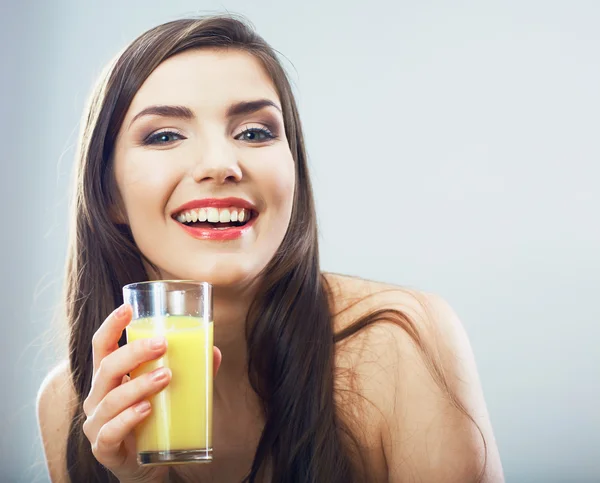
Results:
[181, 417]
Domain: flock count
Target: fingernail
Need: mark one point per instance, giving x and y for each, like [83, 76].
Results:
[121, 311]
[161, 374]
[157, 343]
[142, 407]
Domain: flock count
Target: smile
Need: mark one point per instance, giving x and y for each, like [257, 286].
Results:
[218, 217]
[216, 222]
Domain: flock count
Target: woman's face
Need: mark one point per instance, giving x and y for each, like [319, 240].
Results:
[203, 168]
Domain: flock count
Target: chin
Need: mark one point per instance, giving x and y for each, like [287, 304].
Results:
[219, 272]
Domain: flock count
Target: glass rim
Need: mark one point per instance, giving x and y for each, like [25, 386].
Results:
[151, 283]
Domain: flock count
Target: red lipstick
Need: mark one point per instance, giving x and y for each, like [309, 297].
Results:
[218, 234]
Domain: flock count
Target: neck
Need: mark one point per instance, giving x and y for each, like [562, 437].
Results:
[230, 308]
[229, 314]
[232, 390]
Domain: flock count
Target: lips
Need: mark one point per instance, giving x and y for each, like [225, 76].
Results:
[216, 219]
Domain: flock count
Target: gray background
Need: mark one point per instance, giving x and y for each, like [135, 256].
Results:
[453, 149]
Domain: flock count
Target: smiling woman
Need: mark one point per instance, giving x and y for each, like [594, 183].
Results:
[188, 141]
[192, 166]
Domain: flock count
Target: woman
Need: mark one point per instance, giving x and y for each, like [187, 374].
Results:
[324, 378]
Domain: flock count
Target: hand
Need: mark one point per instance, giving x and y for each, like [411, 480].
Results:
[115, 405]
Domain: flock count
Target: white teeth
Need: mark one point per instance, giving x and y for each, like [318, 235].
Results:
[212, 215]
[224, 216]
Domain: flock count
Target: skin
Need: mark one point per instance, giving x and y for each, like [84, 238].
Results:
[207, 159]
[410, 429]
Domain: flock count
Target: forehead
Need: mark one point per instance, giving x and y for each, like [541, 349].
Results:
[205, 79]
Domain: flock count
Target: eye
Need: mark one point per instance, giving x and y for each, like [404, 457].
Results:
[163, 137]
[255, 135]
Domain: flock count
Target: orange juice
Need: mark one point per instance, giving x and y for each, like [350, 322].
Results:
[181, 417]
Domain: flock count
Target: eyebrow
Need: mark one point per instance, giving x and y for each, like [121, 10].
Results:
[181, 112]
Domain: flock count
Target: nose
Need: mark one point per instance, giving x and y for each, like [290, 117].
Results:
[219, 165]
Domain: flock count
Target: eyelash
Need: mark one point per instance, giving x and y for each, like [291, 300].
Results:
[153, 138]
[261, 130]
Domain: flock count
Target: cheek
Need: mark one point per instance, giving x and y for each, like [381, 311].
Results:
[278, 183]
[145, 186]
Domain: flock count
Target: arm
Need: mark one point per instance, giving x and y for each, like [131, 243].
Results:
[425, 437]
[54, 400]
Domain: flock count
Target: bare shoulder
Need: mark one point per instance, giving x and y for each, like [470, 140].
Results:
[417, 369]
[55, 403]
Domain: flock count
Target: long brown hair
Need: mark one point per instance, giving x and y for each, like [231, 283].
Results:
[304, 438]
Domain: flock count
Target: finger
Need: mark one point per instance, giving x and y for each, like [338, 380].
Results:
[119, 363]
[106, 338]
[218, 357]
[126, 395]
[107, 446]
